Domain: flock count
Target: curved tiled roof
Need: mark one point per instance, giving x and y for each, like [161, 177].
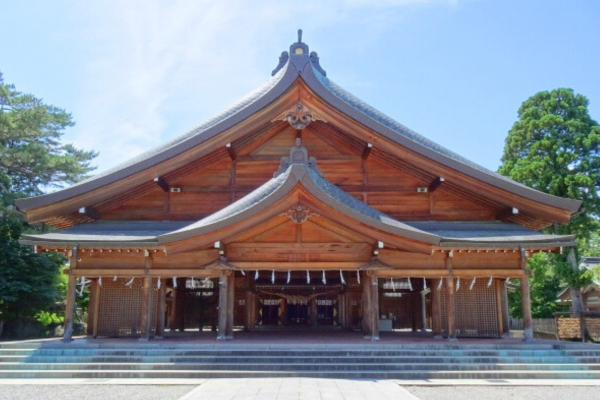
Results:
[307, 67]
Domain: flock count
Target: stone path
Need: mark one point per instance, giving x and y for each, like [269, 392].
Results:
[298, 389]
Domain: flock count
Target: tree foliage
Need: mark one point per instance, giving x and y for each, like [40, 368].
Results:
[554, 147]
[32, 160]
[32, 157]
[543, 289]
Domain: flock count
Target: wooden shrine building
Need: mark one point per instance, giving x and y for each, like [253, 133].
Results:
[298, 205]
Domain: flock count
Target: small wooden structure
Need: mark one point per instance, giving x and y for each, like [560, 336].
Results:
[300, 204]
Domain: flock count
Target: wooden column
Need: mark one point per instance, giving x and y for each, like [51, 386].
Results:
[222, 325]
[367, 287]
[375, 307]
[502, 300]
[423, 311]
[92, 307]
[526, 309]
[160, 310]
[230, 304]
[526, 301]
[71, 292]
[96, 307]
[436, 310]
[312, 311]
[146, 316]
[450, 307]
[248, 317]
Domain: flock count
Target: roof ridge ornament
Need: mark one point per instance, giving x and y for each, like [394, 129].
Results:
[298, 156]
[299, 56]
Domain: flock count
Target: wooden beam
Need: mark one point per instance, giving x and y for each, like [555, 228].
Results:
[435, 184]
[462, 273]
[161, 183]
[231, 152]
[301, 247]
[139, 272]
[302, 266]
[90, 212]
[507, 213]
[367, 151]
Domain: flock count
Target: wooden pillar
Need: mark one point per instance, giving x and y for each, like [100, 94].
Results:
[436, 310]
[69, 309]
[375, 307]
[502, 300]
[415, 305]
[91, 320]
[312, 311]
[160, 310]
[423, 311]
[96, 307]
[367, 287]
[230, 304]
[146, 309]
[526, 300]
[526, 309]
[223, 294]
[450, 307]
[71, 292]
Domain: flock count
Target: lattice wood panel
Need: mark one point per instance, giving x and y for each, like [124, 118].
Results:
[121, 307]
[476, 310]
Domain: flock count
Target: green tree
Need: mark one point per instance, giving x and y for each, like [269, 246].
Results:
[32, 160]
[554, 147]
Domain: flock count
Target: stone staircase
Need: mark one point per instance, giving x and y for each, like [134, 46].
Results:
[373, 361]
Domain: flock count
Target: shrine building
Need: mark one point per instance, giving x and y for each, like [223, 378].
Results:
[299, 205]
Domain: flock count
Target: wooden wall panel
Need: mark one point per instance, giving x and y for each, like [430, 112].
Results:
[400, 203]
[216, 174]
[451, 206]
[379, 173]
[198, 203]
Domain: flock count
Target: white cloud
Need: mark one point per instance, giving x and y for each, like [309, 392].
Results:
[157, 67]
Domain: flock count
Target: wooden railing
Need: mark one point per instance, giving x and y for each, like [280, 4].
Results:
[540, 325]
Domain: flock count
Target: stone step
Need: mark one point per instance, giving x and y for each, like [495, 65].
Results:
[297, 367]
[252, 353]
[368, 374]
[295, 360]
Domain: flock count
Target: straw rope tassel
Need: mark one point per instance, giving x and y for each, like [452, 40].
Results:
[115, 278]
[424, 284]
[490, 282]
[307, 277]
[342, 278]
[130, 282]
[100, 281]
[158, 283]
[358, 276]
[439, 287]
[393, 286]
[273, 276]
[256, 275]
[457, 283]
[289, 276]
[472, 284]
[410, 284]
[324, 280]
[174, 282]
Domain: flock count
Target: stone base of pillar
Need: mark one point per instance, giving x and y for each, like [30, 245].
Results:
[452, 339]
[143, 339]
[438, 337]
[158, 337]
[506, 335]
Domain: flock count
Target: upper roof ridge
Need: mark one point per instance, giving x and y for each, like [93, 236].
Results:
[300, 56]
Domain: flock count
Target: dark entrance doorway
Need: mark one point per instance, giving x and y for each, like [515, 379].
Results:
[297, 313]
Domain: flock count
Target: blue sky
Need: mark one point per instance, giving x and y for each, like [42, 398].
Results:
[136, 73]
